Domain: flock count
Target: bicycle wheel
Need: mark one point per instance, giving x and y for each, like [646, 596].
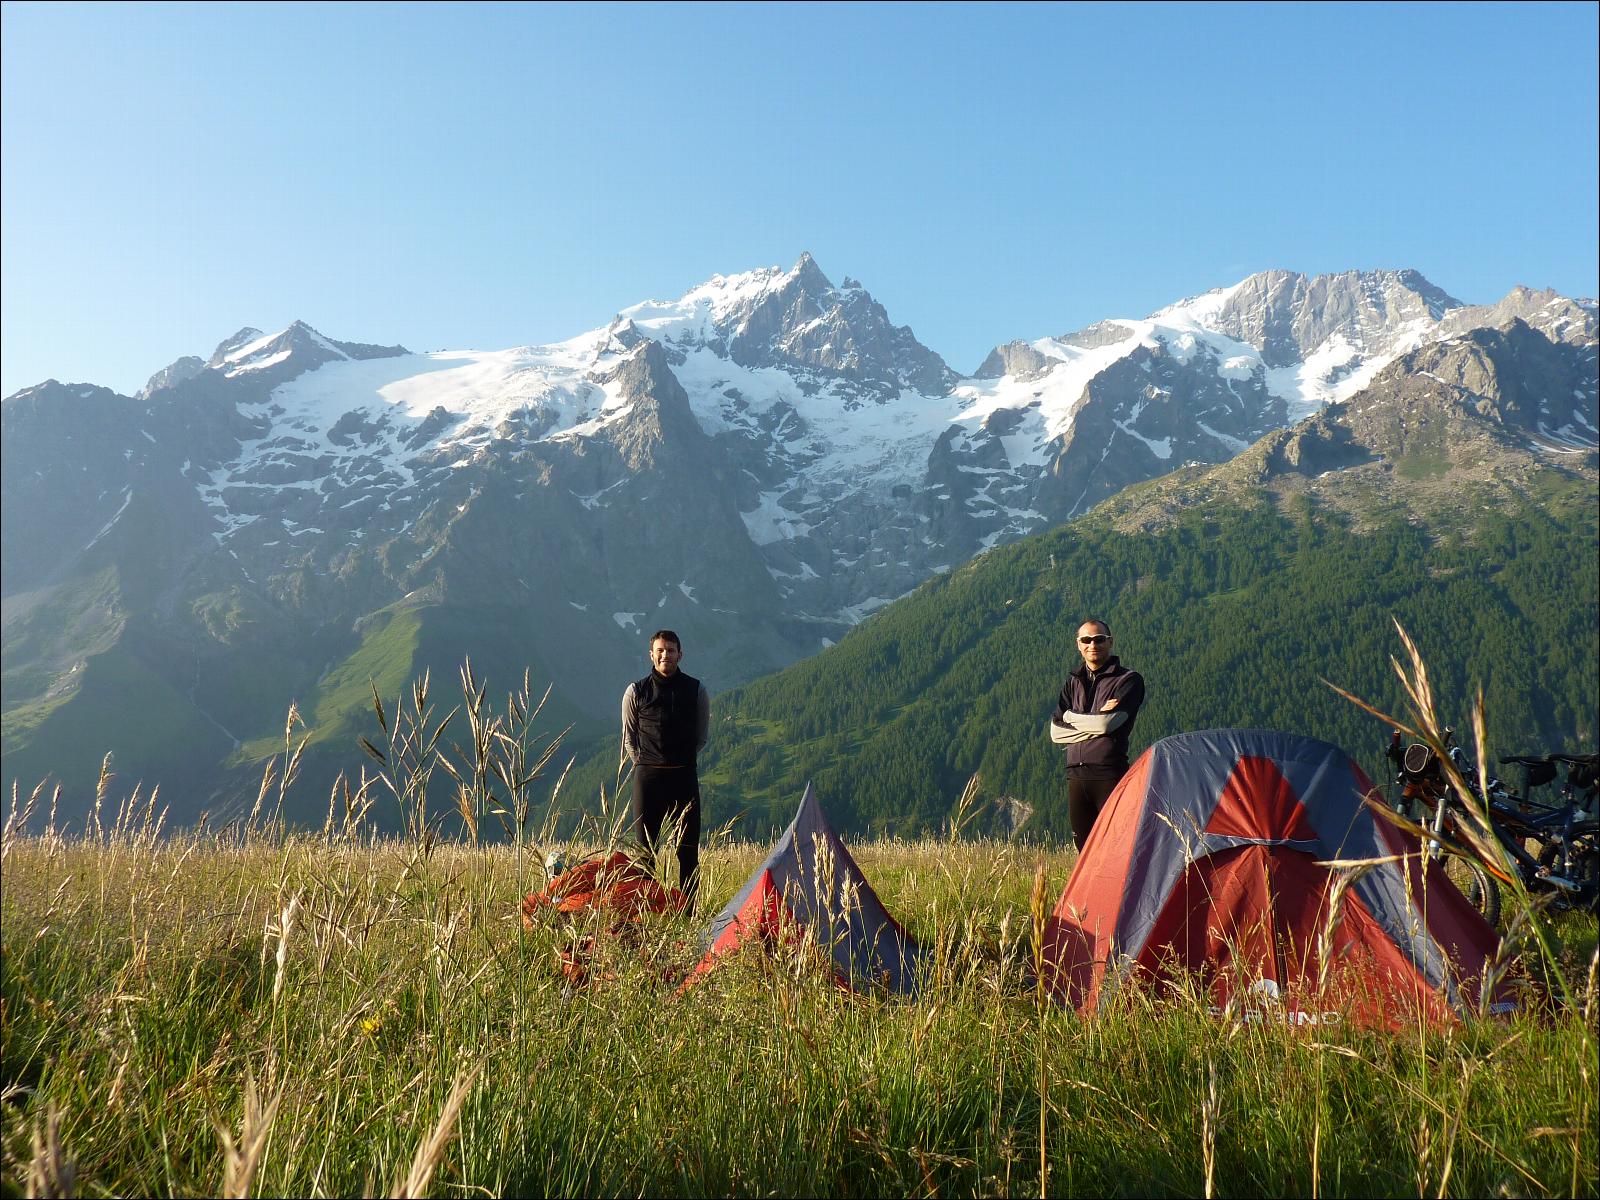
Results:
[1477, 885]
[1583, 866]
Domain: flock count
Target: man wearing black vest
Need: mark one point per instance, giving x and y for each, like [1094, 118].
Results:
[666, 718]
[1093, 717]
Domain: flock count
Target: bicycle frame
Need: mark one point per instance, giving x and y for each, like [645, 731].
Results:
[1513, 818]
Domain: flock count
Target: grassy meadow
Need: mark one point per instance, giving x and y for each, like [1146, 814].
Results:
[251, 1011]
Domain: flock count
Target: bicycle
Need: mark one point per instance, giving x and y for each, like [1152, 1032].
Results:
[1564, 864]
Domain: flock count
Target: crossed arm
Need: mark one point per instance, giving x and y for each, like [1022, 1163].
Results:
[1081, 727]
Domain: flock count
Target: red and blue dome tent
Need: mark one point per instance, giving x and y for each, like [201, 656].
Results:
[811, 888]
[1214, 862]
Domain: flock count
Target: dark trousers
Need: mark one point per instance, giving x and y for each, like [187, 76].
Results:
[670, 796]
[1086, 796]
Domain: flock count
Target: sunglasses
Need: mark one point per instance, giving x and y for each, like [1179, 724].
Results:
[1095, 639]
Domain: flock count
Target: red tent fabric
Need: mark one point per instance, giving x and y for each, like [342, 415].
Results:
[810, 886]
[1208, 866]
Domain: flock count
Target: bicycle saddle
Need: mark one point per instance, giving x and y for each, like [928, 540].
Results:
[1585, 768]
[1540, 770]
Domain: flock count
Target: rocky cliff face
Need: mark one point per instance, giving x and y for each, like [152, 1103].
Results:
[1520, 387]
[1560, 319]
[1482, 409]
[1289, 318]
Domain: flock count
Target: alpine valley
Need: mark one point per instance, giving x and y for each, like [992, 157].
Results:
[760, 465]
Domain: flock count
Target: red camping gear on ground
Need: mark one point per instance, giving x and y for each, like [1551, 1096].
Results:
[1208, 864]
[616, 890]
[618, 882]
[811, 888]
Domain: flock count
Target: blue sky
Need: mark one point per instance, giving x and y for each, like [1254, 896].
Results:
[491, 176]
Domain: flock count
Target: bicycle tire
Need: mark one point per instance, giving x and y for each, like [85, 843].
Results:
[1584, 864]
[1480, 888]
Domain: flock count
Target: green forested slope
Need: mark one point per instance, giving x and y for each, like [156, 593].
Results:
[1234, 613]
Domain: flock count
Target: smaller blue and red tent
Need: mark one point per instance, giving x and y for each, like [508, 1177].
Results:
[811, 888]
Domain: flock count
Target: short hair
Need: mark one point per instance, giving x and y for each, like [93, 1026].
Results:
[1104, 628]
[665, 635]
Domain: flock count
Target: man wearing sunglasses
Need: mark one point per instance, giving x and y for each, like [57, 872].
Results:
[1092, 719]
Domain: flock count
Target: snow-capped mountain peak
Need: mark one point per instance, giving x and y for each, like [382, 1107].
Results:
[268, 350]
[826, 416]
[1202, 310]
[1304, 341]
[229, 345]
[798, 321]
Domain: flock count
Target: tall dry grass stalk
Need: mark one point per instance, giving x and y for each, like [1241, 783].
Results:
[431, 1148]
[50, 1171]
[278, 930]
[1347, 872]
[241, 1154]
[102, 789]
[1039, 911]
[17, 819]
[1424, 725]
[409, 758]
[1209, 1111]
[1525, 926]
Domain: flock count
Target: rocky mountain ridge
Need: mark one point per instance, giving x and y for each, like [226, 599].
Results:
[759, 463]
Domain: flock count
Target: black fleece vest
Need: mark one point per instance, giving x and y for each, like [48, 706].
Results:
[1104, 757]
[666, 712]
